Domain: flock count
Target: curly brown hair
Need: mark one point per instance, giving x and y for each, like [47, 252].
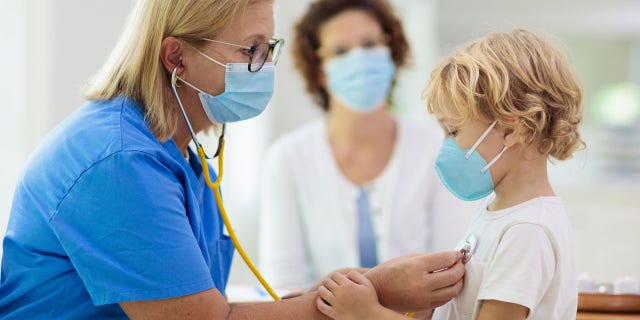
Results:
[306, 39]
[517, 78]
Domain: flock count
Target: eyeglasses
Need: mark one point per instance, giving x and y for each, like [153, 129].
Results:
[258, 53]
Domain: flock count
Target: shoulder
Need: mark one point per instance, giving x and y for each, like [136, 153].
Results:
[549, 216]
[544, 211]
[101, 139]
[90, 136]
[535, 224]
[115, 125]
[102, 127]
[527, 233]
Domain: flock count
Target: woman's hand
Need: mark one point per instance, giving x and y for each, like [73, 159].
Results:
[419, 281]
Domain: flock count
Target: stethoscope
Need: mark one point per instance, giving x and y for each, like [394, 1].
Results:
[215, 186]
[469, 247]
[467, 250]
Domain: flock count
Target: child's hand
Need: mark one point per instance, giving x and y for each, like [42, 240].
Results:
[317, 285]
[350, 296]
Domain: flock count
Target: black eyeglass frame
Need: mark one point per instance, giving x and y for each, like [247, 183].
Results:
[274, 46]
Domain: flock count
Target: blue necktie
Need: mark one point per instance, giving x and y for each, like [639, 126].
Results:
[366, 235]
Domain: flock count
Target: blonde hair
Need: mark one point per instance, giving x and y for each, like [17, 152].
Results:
[134, 68]
[518, 79]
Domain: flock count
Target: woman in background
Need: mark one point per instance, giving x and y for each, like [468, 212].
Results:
[357, 186]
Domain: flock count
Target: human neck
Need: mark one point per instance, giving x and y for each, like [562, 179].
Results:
[528, 179]
[361, 144]
[182, 138]
[197, 118]
[351, 127]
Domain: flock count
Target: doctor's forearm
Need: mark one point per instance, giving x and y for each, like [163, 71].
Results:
[302, 307]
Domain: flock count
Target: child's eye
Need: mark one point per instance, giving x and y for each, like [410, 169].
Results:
[452, 133]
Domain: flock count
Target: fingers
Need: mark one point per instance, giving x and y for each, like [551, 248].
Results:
[340, 279]
[324, 307]
[347, 270]
[441, 260]
[448, 277]
[329, 283]
[442, 296]
[326, 295]
[358, 278]
[361, 270]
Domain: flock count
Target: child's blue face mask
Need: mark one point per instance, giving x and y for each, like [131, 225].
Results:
[246, 94]
[361, 78]
[464, 172]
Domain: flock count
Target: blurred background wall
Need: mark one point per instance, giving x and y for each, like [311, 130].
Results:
[50, 49]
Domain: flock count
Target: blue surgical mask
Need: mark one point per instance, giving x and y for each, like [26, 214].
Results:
[361, 78]
[464, 172]
[246, 94]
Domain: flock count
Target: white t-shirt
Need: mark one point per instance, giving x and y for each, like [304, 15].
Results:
[525, 255]
[308, 207]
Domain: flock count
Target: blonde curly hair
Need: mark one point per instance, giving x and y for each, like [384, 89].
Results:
[518, 79]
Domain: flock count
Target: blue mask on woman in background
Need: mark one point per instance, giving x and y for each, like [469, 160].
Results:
[464, 172]
[361, 78]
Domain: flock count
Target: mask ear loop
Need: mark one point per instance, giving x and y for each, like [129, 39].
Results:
[479, 141]
[485, 168]
[199, 148]
[174, 85]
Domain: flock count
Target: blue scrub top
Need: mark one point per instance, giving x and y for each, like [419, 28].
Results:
[106, 213]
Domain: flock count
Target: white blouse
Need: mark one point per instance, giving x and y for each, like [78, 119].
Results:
[308, 211]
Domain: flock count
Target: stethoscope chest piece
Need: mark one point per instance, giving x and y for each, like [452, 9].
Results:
[469, 247]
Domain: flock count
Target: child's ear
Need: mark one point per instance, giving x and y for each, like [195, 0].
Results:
[512, 136]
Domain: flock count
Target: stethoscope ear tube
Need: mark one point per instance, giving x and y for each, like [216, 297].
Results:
[215, 186]
[174, 79]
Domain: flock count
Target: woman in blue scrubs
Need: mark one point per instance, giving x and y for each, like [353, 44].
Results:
[112, 218]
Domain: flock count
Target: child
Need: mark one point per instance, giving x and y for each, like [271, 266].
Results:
[507, 102]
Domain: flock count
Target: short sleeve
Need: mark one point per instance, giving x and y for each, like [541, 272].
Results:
[522, 268]
[124, 227]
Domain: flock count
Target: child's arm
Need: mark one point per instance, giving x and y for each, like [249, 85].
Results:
[499, 310]
[521, 272]
[351, 296]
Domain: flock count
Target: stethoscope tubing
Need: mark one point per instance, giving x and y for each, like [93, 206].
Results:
[215, 186]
